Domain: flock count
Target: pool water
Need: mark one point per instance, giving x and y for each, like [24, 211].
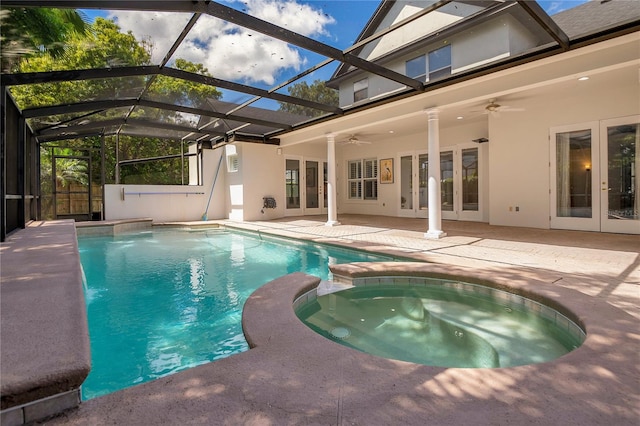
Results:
[164, 301]
[443, 325]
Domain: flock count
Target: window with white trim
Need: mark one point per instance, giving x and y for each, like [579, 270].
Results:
[417, 68]
[361, 90]
[363, 179]
[440, 62]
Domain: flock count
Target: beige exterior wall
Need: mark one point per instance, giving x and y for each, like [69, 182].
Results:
[519, 146]
[440, 18]
[491, 41]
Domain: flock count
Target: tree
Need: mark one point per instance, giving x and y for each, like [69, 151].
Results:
[104, 45]
[317, 92]
[183, 92]
[27, 31]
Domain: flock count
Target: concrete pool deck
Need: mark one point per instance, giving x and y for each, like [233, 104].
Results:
[294, 376]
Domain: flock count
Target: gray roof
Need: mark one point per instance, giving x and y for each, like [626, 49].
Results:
[597, 15]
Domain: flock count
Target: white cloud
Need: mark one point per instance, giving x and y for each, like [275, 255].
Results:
[227, 51]
[298, 17]
[162, 28]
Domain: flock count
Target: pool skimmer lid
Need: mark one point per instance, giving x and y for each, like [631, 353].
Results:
[340, 332]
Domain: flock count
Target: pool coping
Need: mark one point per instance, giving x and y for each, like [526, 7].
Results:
[594, 384]
[291, 375]
[44, 333]
[112, 227]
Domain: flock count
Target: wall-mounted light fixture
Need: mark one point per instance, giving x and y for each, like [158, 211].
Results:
[480, 140]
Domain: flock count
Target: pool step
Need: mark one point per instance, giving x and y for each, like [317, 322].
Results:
[328, 287]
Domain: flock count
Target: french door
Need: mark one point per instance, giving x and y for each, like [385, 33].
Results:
[413, 184]
[459, 183]
[305, 186]
[595, 176]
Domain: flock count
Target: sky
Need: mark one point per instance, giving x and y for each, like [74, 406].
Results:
[237, 54]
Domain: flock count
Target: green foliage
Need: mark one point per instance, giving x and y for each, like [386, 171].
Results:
[27, 31]
[104, 45]
[183, 92]
[317, 92]
[162, 172]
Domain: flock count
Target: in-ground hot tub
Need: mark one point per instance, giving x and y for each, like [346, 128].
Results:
[440, 322]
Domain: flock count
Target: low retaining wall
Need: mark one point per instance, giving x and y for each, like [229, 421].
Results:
[43, 329]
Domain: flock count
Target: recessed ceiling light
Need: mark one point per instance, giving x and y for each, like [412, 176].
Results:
[584, 78]
[391, 131]
[459, 117]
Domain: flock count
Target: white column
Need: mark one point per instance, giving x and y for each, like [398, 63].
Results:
[433, 184]
[332, 211]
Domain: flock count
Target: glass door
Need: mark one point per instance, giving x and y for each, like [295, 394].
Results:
[413, 174]
[406, 186]
[594, 176]
[315, 185]
[292, 187]
[574, 177]
[469, 183]
[620, 177]
[447, 186]
[460, 180]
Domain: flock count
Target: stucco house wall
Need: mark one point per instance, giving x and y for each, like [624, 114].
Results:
[388, 202]
[440, 18]
[520, 147]
[259, 174]
[487, 42]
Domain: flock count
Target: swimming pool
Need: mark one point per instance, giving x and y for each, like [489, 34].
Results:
[159, 302]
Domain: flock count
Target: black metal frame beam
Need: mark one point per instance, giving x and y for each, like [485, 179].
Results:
[152, 70]
[233, 16]
[72, 75]
[120, 103]
[124, 121]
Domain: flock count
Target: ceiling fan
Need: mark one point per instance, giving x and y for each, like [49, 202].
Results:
[354, 140]
[494, 108]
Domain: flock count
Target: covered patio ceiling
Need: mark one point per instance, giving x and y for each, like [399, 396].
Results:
[251, 108]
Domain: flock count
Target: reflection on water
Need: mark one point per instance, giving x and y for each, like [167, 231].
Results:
[161, 302]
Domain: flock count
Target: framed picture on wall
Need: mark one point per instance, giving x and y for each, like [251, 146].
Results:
[386, 170]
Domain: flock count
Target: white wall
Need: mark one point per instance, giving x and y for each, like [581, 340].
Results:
[388, 202]
[164, 203]
[519, 147]
[433, 21]
[491, 41]
[260, 174]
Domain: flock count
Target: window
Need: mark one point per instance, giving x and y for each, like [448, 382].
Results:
[360, 90]
[363, 179]
[417, 68]
[440, 62]
[232, 158]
